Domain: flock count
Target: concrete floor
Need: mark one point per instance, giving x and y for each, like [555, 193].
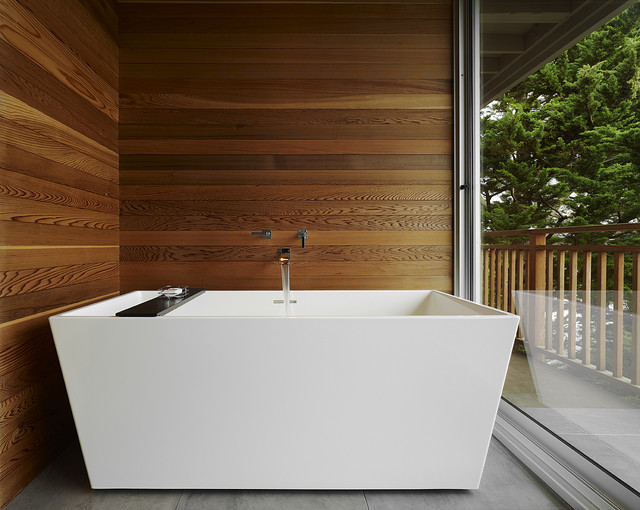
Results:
[506, 484]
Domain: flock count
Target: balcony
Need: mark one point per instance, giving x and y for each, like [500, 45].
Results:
[576, 364]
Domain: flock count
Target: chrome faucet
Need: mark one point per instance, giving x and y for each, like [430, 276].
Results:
[285, 255]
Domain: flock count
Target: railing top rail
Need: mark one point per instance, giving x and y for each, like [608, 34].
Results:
[608, 248]
[565, 230]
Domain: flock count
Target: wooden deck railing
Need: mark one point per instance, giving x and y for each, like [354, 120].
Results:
[594, 320]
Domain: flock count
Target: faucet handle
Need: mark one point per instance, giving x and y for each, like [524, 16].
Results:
[266, 234]
[302, 234]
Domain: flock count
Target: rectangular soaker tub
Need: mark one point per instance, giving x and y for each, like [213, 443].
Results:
[353, 390]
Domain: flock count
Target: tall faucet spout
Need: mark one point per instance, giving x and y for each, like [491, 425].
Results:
[285, 257]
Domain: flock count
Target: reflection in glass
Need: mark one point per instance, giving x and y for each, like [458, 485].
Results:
[576, 376]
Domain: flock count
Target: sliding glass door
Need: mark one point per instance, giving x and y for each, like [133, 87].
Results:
[560, 196]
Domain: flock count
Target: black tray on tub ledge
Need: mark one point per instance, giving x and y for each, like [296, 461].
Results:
[160, 305]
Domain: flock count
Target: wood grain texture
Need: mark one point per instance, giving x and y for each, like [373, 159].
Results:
[23, 30]
[285, 161]
[14, 159]
[281, 238]
[334, 117]
[59, 214]
[440, 9]
[25, 80]
[324, 193]
[285, 41]
[20, 186]
[282, 208]
[312, 25]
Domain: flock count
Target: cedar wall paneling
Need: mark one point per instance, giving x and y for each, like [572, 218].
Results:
[59, 208]
[332, 117]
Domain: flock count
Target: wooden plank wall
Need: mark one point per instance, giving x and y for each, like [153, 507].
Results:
[58, 208]
[332, 117]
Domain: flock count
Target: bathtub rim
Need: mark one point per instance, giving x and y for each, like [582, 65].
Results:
[482, 311]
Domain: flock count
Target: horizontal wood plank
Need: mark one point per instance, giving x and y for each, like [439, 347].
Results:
[286, 146]
[332, 222]
[278, 132]
[23, 210]
[24, 187]
[439, 282]
[285, 41]
[313, 25]
[362, 119]
[356, 71]
[33, 233]
[285, 177]
[246, 101]
[277, 56]
[350, 254]
[282, 10]
[324, 193]
[26, 281]
[278, 238]
[174, 270]
[17, 258]
[285, 161]
[282, 208]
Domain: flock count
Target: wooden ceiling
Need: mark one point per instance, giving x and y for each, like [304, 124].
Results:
[518, 37]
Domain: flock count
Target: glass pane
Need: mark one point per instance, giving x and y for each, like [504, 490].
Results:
[561, 155]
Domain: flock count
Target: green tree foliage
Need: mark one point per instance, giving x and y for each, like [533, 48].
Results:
[562, 148]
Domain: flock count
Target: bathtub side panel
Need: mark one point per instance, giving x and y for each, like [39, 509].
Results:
[275, 403]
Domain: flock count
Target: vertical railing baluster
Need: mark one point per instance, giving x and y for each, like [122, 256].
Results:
[635, 310]
[586, 302]
[573, 293]
[521, 270]
[505, 280]
[601, 321]
[492, 277]
[561, 265]
[485, 282]
[499, 257]
[618, 300]
[549, 301]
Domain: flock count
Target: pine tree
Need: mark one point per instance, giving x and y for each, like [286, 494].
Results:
[562, 148]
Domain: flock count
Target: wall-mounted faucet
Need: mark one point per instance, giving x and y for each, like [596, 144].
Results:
[285, 255]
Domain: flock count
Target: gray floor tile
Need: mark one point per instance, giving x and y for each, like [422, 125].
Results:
[506, 484]
[272, 500]
[134, 500]
[63, 485]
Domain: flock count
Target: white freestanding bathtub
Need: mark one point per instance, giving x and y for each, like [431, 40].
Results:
[354, 390]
